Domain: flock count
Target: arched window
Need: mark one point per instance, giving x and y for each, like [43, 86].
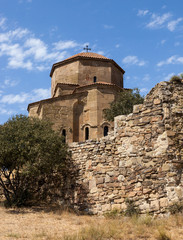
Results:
[64, 135]
[94, 79]
[106, 129]
[86, 133]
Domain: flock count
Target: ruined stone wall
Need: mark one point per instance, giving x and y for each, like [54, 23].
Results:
[141, 160]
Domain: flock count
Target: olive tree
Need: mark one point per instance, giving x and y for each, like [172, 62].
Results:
[33, 160]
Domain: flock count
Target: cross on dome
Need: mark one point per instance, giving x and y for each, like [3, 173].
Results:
[87, 48]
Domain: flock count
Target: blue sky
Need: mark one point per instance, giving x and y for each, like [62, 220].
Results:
[144, 37]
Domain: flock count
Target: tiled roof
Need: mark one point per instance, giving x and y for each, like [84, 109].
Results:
[88, 55]
[97, 84]
[72, 84]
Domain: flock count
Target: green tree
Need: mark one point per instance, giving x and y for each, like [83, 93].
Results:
[123, 104]
[176, 78]
[33, 160]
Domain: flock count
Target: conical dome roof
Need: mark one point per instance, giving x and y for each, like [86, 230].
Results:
[88, 55]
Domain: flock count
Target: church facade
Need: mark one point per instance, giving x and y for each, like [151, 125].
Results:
[82, 86]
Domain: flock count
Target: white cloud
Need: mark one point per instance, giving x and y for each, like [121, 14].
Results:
[40, 93]
[167, 78]
[117, 45]
[21, 1]
[61, 45]
[8, 83]
[133, 60]
[106, 26]
[42, 68]
[127, 77]
[146, 78]
[171, 60]
[5, 111]
[142, 12]
[36, 48]
[172, 24]
[11, 98]
[101, 52]
[158, 21]
[144, 90]
[33, 96]
[16, 56]
[25, 51]
[177, 44]
[14, 35]
[2, 23]
[163, 41]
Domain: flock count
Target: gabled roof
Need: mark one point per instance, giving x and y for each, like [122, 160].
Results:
[84, 55]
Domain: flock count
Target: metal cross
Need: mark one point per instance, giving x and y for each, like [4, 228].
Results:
[87, 48]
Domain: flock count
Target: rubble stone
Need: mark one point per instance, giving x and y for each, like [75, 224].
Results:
[140, 160]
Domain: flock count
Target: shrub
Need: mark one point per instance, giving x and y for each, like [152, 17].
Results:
[131, 209]
[33, 160]
[123, 104]
[176, 207]
[175, 78]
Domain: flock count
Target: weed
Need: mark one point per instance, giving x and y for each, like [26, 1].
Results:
[13, 235]
[131, 209]
[163, 236]
[176, 207]
[113, 214]
[175, 78]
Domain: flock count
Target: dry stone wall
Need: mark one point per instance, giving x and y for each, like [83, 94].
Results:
[141, 160]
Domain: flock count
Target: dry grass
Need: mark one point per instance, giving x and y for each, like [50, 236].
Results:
[46, 224]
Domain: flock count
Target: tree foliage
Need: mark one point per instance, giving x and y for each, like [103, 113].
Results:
[33, 159]
[177, 78]
[123, 104]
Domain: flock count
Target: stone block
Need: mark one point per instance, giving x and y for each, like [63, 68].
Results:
[94, 190]
[106, 207]
[165, 167]
[132, 194]
[163, 202]
[170, 133]
[156, 118]
[121, 178]
[107, 179]
[157, 101]
[144, 206]
[121, 200]
[146, 111]
[92, 183]
[145, 191]
[100, 180]
[115, 206]
[154, 205]
[123, 206]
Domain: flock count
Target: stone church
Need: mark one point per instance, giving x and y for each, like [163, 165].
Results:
[82, 86]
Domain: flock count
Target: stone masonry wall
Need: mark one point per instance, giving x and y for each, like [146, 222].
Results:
[141, 160]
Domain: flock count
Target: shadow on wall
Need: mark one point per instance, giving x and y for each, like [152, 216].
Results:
[74, 193]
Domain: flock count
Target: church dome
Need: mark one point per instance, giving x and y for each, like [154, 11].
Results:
[86, 68]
